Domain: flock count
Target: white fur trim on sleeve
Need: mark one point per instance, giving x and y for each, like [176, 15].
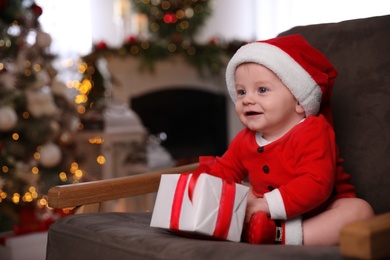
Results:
[276, 204]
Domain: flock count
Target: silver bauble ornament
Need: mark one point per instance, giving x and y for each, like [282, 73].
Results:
[50, 155]
[8, 118]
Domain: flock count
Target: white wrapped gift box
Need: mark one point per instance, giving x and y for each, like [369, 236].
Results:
[206, 212]
[28, 246]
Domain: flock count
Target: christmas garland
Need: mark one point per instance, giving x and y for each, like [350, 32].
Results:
[208, 59]
[172, 25]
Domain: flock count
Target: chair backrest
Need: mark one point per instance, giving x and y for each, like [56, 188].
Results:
[360, 51]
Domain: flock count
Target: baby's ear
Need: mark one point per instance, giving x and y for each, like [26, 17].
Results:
[299, 109]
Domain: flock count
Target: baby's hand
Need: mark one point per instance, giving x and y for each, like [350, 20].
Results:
[254, 205]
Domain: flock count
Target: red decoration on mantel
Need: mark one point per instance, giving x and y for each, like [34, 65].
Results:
[101, 45]
[37, 10]
[213, 41]
[131, 39]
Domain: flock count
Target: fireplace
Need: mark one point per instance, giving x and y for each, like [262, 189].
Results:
[194, 120]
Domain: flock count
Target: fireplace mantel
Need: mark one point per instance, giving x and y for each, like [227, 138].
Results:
[129, 81]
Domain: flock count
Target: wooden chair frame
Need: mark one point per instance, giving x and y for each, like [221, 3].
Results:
[87, 197]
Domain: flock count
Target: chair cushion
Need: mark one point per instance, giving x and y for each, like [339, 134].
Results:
[123, 235]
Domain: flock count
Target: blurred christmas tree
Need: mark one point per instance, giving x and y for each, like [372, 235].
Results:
[37, 117]
[170, 19]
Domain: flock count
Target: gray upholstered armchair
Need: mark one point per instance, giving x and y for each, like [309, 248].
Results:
[360, 50]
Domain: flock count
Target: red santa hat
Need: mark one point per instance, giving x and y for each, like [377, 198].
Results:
[303, 69]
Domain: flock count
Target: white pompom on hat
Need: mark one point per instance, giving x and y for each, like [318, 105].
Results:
[303, 69]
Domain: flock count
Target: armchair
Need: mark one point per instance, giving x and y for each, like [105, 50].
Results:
[360, 51]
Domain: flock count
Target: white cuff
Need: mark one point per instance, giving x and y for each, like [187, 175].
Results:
[276, 204]
[293, 231]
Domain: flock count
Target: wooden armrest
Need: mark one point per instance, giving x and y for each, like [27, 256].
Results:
[90, 193]
[367, 239]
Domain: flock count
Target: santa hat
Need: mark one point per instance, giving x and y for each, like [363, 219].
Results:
[303, 69]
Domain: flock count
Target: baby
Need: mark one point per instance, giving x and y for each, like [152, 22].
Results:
[300, 193]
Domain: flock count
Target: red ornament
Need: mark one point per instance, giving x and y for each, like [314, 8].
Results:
[101, 45]
[213, 41]
[131, 39]
[170, 18]
[37, 10]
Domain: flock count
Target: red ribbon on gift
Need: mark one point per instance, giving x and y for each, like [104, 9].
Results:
[226, 203]
[178, 201]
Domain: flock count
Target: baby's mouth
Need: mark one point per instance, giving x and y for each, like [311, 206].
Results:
[252, 113]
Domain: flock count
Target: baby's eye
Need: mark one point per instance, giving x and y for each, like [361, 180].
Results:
[241, 92]
[262, 90]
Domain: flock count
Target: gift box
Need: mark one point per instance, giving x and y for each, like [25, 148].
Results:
[27, 246]
[200, 205]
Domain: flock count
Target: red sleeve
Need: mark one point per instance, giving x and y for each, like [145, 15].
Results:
[229, 166]
[315, 168]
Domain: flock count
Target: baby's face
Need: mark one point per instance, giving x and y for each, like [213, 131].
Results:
[264, 104]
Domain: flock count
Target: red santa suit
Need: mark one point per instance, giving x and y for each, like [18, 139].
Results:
[300, 173]
[296, 174]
